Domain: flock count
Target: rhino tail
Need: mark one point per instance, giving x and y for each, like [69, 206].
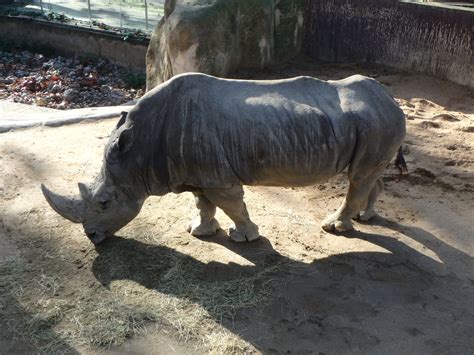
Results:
[400, 162]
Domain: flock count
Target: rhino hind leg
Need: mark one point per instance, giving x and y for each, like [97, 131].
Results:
[205, 224]
[231, 201]
[358, 198]
[369, 211]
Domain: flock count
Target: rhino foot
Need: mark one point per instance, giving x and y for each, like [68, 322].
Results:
[199, 228]
[244, 234]
[333, 224]
[366, 215]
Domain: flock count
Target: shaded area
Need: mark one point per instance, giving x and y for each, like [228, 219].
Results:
[24, 331]
[354, 297]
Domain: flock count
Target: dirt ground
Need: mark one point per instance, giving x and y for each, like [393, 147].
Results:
[402, 283]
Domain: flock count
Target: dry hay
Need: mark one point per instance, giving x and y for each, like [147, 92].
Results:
[164, 287]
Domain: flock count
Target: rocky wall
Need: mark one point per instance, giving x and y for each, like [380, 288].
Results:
[219, 36]
[436, 40]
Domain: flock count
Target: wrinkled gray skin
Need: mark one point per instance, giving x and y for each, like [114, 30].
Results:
[210, 136]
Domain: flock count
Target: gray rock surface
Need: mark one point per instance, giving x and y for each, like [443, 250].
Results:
[217, 37]
[71, 95]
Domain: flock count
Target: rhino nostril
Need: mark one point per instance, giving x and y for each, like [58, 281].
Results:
[95, 237]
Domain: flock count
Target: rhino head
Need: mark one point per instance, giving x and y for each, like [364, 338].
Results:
[102, 210]
[113, 199]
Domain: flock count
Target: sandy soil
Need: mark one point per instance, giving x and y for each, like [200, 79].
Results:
[402, 283]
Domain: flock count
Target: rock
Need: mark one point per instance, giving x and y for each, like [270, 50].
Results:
[71, 95]
[30, 78]
[221, 36]
[40, 101]
[117, 96]
[62, 105]
[6, 81]
[25, 57]
[106, 89]
[56, 88]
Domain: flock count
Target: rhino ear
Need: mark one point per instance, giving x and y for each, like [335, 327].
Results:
[123, 117]
[119, 145]
[125, 140]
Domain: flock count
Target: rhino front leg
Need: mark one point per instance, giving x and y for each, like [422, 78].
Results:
[231, 201]
[205, 224]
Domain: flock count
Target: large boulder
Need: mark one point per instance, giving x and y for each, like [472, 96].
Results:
[218, 36]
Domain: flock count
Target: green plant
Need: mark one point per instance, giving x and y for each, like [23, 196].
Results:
[134, 80]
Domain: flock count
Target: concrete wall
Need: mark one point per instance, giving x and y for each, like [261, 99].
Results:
[437, 40]
[74, 40]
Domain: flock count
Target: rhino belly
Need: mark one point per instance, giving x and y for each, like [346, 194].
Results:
[293, 167]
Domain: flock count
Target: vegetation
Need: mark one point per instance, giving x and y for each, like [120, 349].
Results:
[134, 80]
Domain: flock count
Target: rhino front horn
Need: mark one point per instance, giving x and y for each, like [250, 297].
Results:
[70, 208]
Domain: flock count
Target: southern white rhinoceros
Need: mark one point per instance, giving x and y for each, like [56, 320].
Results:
[210, 136]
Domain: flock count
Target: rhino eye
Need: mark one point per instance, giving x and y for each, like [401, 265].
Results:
[104, 204]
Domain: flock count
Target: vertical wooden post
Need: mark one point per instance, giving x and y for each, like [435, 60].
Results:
[146, 14]
[121, 13]
[90, 14]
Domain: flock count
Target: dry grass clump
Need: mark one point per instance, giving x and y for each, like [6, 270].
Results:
[129, 286]
[103, 322]
[178, 290]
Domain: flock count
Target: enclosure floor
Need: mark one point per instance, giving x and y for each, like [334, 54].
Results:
[402, 283]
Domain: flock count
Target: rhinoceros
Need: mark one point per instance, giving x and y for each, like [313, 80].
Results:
[210, 136]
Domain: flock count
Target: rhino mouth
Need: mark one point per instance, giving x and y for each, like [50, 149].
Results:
[96, 237]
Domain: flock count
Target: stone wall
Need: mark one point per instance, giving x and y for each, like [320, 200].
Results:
[436, 40]
[74, 40]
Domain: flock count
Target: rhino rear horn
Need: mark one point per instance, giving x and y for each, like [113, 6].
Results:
[69, 208]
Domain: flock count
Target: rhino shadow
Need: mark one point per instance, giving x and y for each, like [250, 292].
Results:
[353, 302]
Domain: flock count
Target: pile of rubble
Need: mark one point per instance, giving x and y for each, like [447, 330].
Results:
[65, 83]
